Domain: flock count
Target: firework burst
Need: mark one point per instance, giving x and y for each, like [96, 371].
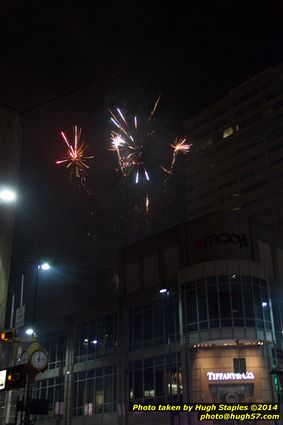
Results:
[179, 146]
[129, 141]
[75, 158]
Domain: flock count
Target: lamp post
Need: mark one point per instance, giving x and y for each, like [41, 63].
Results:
[44, 266]
[39, 266]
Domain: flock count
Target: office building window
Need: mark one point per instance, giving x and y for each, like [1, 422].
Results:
[243, 136]
[227, 132]
[245, 97]
[154, 323]
[251, 159]
[156, 379]
[254, 172]
[277, 309]
[95, 391]
[227, 184]
[96, 338]
[250, 145]
[225, 301]
[239, 365]
[254, 186]
[52, 390]
[55, 344]
[246, 123]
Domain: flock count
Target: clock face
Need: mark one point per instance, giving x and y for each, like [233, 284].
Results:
[39, 360]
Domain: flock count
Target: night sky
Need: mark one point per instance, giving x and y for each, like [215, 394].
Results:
[68, 65]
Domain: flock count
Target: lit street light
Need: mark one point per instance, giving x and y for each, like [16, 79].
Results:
[7, 195]
[44, 266]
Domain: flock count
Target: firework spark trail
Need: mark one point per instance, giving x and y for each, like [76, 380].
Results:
[75, 157]
[154, 108]
[179, 146]
[117, 141]
[131, 151]
[147, 204]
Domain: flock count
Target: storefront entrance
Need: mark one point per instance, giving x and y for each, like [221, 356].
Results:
[232, 393]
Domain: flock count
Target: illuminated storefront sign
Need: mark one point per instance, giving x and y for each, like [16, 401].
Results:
[229, 376]
[2, 379]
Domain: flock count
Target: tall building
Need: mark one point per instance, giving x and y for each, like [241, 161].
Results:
[236, 160]
[197, 317]
[10, 147]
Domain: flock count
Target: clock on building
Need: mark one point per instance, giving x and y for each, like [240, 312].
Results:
[39, 360]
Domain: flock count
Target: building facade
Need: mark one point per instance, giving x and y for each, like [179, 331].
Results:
[197, 317]
[10, 146]
[235, 163]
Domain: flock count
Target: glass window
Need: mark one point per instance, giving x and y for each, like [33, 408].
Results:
[223, 279]
[159, 382]
[148, 383]
[251, 159]
[162, 381]
[236, 300]
[245, 97]
[96, 338]
[265, 304]
[155, 323]
[248, 304]
[95, 395]
[212, 302]
[138, 384]
[191, 306]
[250, 145]
[55, 344]
[137, 328]
[276, 315]
[225, 303]
[237, 304]
[148, 328]
[201, 297]
[53, 390]
[239, 365]
[255, 186]
[158, 322]
[170, 317]
[227, 184]
[211, 280]
[258, 306]
[227, 132]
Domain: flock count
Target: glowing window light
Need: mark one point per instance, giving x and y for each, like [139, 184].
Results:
[227, 132]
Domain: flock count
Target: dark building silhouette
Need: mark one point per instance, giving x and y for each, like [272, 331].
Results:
[235, 163]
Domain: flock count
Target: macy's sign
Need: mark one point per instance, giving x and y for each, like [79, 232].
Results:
[223, 238]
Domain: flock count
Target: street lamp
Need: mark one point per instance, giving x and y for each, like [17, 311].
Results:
[40, 266]
[7, 195]
[44, 266]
